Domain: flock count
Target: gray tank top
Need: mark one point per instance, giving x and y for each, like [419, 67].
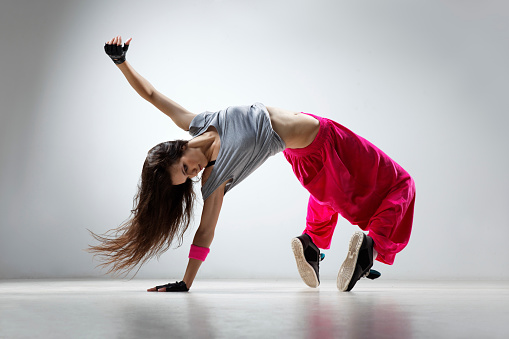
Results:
[247, 140]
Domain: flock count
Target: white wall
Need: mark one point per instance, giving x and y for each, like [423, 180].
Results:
[425, 81]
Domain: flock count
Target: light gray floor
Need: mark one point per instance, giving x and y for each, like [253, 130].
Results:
[253, 309]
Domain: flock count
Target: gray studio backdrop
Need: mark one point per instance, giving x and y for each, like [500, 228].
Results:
[426, 81]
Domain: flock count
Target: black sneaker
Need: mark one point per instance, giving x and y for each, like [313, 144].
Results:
[307, 256]
[373, 274]
[357, 263]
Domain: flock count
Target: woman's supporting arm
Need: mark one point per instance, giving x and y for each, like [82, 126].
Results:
[205, 233]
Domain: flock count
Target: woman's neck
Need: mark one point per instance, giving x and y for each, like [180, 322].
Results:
[205, 143]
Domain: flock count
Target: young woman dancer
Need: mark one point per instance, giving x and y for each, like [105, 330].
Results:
[343, 172]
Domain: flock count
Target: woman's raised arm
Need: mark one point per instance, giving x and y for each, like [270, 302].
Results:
[180, 116]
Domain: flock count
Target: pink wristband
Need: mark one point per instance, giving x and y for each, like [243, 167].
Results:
[198, 253]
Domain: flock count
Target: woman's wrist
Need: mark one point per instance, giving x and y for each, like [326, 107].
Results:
[122, 65]
[198, 252]
[191, 271]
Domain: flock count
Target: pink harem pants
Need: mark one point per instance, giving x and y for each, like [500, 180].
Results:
[346, 174]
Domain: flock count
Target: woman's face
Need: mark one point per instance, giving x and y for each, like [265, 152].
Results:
[189, 165]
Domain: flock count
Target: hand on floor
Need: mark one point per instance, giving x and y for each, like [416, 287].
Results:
[170, 287]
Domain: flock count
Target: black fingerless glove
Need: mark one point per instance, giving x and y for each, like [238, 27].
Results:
[116, 53]
[174, 287]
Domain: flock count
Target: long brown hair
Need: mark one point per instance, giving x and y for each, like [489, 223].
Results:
[161, 212]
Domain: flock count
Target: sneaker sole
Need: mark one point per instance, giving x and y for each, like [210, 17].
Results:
[306, 271]
[348, 267]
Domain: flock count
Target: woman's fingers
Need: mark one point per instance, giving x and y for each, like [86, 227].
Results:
[153, 289]
[118, 41]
